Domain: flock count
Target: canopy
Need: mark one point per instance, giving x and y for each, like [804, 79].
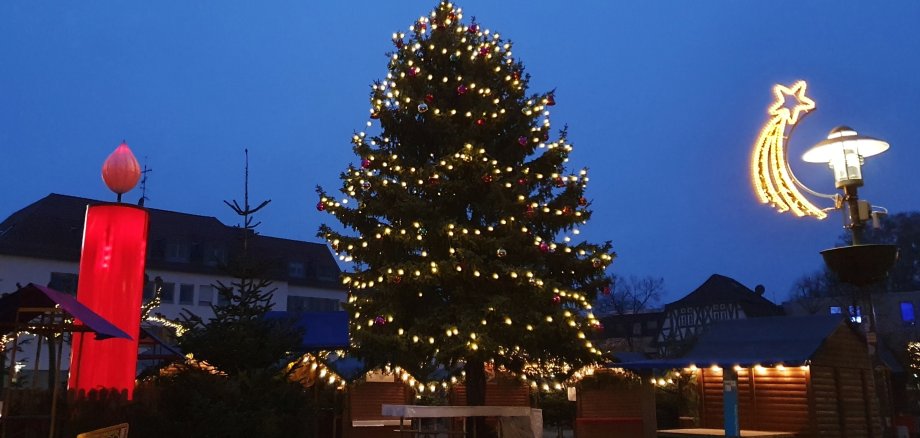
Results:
[31, 301]
[322, 330]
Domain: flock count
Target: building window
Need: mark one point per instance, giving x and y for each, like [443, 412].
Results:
[637, 329]
[296, 270]
[178, 252]
[168, 294]
[222, 298]
[836, 310]
[64, 282]
[651, 325]
[907, 313]
[187, 294]
[205, 295]
[311, 304]
[148, 291]
[855, 314]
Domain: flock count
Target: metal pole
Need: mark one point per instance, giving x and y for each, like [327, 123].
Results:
[856, 224]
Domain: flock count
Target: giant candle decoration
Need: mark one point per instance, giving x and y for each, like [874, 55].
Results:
[111, 283]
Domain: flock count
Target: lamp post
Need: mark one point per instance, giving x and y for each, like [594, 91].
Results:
[858, 264]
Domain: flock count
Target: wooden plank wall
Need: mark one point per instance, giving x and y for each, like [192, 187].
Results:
[609, 402]
[771, 399]
[504, 393]
[364, 403]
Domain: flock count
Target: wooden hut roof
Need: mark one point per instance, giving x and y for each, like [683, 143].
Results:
[788, 340]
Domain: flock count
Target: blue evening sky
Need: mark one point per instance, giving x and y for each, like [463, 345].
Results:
[663, 99]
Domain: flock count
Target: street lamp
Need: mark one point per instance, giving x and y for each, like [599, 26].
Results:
[844, 151]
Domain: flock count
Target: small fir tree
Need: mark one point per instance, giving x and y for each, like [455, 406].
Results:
[465, 216]
[240, 337]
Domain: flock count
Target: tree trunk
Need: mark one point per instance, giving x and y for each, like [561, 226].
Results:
[475, 395]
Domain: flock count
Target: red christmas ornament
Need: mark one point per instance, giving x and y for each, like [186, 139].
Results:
[365, 163]
[487, 178]
[550, 100]
[473, 28]
[421, 25]
[320, 206]
[529, 211]
[516, 75]
[522, 181]
[597, 263]
[557, 299]
[582, 201]
[566, 210]
[606, 290]
[397, 279]
[484, 50]
[398, 42]
[413, 71]
[379, 320]
[451, 16]
[429, 98]
[599, 327]
[480, 122]
[433, 181]
[375, 115]
[544, 247]
[560, 182]
[461, 89]
[121, 170]
[522, 140]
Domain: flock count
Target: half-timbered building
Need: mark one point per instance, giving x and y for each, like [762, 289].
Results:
[720, 298]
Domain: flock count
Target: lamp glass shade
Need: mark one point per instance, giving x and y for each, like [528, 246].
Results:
[864, 146]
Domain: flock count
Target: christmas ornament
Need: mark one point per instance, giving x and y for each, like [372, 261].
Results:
[375, 115]
[522, 181]
[423, 231]
[529, 211]
[421, 26]
[461, 89]
[544, 247]
[606, 290]
[516, 75]
[453, 57]
[473, 28]
[597, 263]
[487, 178]
[429, 98]
[557, 299]
[522, 140]
[413, 71]
[365, 163]
[366, 185]
[545, 136]
[550, 100]
[480, 122]
[397, 279]
[451, 16]
[379, 320]
[422, 107]
[560, 182]
[566, 210]
[582, 201]
[484, 50]
[320, 206]
[398, 42]
[501, 252]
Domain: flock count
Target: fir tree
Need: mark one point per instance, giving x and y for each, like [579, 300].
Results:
[239, 337]
[466, 218]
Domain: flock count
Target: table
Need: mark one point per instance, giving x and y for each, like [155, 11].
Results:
[419, 412]
[699, 432]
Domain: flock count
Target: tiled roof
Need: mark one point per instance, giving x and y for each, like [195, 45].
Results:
[52, 228]
[719, 289]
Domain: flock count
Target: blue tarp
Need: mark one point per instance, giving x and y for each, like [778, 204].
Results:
[322, 330]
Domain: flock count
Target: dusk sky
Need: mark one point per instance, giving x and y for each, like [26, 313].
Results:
[663, 101]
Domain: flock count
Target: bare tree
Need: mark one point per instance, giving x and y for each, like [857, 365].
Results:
[631, 295]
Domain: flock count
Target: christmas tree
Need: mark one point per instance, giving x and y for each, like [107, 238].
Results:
[461, 219]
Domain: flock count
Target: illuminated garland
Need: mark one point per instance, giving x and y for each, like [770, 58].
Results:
[770, 172]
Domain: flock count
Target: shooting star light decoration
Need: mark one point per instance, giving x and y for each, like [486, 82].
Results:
[773, 180]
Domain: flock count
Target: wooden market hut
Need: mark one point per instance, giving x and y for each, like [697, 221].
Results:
[811, 376]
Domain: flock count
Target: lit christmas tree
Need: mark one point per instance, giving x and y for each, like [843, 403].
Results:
[466, 217]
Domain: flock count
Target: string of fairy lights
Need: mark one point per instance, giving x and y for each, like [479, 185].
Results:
[387, 171]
